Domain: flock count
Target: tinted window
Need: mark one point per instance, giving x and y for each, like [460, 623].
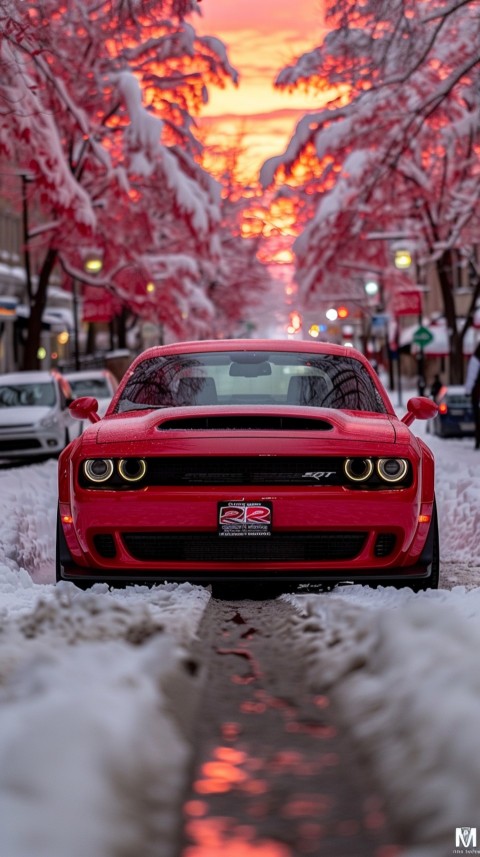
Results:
[97, 387]
[27, 395]
[252, 378]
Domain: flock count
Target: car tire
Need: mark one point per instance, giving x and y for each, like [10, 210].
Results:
[432, 582]
[62, 556]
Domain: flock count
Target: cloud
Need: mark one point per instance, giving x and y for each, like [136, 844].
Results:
[262, 36]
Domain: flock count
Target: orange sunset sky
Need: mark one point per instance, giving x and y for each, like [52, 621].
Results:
[261, 37]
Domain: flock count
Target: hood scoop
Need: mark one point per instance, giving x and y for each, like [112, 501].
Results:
[245, 422]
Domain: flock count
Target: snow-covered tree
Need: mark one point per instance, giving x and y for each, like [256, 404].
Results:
[96, 106]
[396, 150]
[242, 286]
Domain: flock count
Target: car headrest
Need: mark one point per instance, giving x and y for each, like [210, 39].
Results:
[197, 391]
[310, 390]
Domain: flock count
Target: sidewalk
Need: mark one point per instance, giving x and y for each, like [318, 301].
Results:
[273, 776]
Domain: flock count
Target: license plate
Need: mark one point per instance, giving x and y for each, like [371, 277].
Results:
[467, 426]
[240, 519]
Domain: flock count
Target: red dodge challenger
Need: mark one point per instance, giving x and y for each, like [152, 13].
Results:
[251, 460]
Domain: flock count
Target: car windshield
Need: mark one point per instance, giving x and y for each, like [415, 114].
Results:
[251, 378]
[27, 395]
[97, 387]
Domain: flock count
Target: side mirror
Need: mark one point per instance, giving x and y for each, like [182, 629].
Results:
[420, 408]
[85, 408]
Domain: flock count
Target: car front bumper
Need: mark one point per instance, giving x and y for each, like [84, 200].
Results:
[26, 442]
[327, 534]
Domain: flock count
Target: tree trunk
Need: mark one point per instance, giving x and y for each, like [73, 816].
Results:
[37, 307]
[91, 338]
[444, 270]
[122, 328]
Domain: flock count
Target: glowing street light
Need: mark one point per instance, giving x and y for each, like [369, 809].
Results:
[332, 314]
[402, 258]
[93, 263]
[371, 288]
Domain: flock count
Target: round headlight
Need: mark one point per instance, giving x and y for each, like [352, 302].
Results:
[392, 469]
[358, 469]
[98, 469]
[132, 469]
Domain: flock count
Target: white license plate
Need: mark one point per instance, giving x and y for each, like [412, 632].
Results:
[239, 518]
[467, 426]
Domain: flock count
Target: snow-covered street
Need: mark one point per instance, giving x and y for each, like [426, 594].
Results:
[98, 689]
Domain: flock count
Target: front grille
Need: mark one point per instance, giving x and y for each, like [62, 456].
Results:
[105, 545]
[257, 470]
[211, 548]
[19, 443]
[384, 544]
[19, 427]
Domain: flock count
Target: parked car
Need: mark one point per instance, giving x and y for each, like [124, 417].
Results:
[249, 460]
[100, 383]
[455, 413]
[34, 416]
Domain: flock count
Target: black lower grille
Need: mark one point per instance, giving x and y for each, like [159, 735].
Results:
[384, 544]
[208, 547]
[105, 545]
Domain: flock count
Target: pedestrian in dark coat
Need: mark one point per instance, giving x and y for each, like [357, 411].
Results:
[436, 386]
[472, 387]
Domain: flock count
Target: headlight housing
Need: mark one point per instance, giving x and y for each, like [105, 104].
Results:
[48, 422]
[392, 469]
[98, 469]
[112, 473]
[368, 472]
[358, 469]
[132, 469]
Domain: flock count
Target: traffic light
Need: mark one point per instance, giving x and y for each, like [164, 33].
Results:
[342, 312]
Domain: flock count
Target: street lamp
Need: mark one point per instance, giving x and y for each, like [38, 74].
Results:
[371, 288]
[92, 264]
[402, 258]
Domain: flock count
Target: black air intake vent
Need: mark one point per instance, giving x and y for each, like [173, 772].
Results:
[105, 545]
[245, 422]
[385, 544]
[279, 547]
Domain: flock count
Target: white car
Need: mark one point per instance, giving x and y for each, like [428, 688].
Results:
[34, 416]
[99, 383]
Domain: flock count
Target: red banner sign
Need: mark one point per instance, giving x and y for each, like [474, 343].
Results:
[98, 304]
[407, 302]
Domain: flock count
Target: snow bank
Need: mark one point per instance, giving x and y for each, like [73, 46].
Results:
[402, 669]
[98, 694]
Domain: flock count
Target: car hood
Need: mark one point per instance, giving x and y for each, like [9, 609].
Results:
[23, 416]
[174, 423]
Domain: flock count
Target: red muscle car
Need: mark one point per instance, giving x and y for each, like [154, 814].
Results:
[251, 460]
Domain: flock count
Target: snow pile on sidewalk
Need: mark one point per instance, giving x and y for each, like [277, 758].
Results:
[402, 669]
[97, 699]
